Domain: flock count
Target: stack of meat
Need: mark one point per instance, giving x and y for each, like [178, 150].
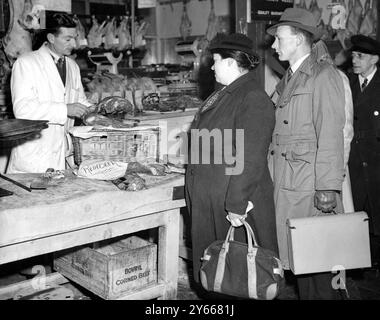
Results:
[107, 82]
[167, 103]
[132, 180]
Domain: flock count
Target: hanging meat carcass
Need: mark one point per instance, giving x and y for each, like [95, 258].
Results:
[213, 23]
[300, 4]
[96, 33]
[18, 39]
[110, 40]
[374, 17]
[141, 29]
[125, 39]
[31, 15]
[185, 27]
[316, 11]
[354, 17]
[368, 25]
[81, 40]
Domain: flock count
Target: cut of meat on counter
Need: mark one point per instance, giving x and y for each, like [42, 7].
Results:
[110, 112]
[97, 120]
[115, 106]
[130, 182]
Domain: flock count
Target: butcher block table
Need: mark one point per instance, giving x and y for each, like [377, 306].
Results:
[76, 211]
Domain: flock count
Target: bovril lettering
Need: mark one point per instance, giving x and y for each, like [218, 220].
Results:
[133, 269]
[133, 277]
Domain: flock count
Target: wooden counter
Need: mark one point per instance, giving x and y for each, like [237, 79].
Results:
[78, 211]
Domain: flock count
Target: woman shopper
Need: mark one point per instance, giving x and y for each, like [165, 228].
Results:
[227, 169]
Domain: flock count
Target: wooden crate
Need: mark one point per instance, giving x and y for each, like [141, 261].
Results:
[114, 270]
[138, 144]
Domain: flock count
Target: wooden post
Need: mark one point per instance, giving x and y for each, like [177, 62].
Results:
[378, 20]
[133, 24]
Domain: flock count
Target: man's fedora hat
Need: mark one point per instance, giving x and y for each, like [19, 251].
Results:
[365, 44]
[235, 41]
[299, 18]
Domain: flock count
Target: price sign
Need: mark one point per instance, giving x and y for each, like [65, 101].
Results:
[269, 9]
[146, 4]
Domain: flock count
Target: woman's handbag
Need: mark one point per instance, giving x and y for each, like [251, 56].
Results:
[241, 270]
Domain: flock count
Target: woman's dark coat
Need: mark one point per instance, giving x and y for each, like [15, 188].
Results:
[364, 162]
[210, 192]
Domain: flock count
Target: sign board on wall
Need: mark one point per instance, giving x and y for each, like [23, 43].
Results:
[146, 4]
[269, 9]
[55, 5]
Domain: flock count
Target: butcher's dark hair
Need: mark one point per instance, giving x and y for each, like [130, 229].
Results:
[55, 22]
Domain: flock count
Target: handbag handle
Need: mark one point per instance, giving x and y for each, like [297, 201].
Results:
[250, 237]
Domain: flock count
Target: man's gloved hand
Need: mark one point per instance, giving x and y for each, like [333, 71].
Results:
[325, 200]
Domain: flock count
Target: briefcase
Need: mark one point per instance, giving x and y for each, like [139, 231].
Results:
[327, 243]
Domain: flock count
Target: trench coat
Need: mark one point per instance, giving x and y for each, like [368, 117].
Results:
[210, 192]
[348, 134]
[364, 160]
[38, 93]
[307, 149]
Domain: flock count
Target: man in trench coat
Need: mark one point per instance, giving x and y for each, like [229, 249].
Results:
[364, 160]
[306, 156]
[41, 92]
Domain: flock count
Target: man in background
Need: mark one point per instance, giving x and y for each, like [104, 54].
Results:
[46, 85]
[364, 160]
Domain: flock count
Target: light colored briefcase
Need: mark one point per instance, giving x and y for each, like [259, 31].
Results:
[328, 243]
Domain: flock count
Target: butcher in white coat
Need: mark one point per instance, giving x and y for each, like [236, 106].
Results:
[40, 92]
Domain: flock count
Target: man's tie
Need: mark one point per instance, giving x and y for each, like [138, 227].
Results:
[62, 69]
[364, 84]
[289, 74]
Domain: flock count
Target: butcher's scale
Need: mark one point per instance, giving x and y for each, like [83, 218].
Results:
[105, 61]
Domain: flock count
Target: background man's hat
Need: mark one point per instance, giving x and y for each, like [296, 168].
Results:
[235, 41]
[299, 18]
[365, 44]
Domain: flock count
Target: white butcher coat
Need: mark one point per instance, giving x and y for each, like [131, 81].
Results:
[39, 94]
